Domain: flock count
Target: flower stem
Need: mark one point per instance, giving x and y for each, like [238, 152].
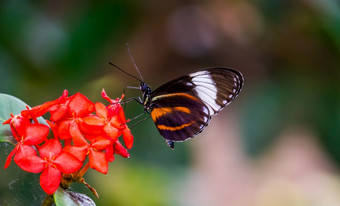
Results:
[83, 171]
[94, 191]
[48, 201]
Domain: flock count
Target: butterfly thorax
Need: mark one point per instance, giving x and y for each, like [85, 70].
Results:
[145, 88]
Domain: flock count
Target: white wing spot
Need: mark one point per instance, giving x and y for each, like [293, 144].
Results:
[198, 73]
[205, 110]
[206, 90]
[205, 119]
[189, 84]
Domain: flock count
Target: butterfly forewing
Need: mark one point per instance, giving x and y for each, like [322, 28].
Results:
[182, 108]
[217, 87]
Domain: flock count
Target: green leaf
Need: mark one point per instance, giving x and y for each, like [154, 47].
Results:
[10, 105]
[69, 198]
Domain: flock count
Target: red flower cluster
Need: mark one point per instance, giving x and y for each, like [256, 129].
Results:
[77, 133]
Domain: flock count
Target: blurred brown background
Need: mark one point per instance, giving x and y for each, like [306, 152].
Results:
[277, 144]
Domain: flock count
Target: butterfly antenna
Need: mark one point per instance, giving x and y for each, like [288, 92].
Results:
[117, 67]
[133, 61]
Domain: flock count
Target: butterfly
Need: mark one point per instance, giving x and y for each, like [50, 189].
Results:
[182, 108]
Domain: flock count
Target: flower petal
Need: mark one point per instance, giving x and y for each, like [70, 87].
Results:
[119, 149]
[40, 110]
[92, 125]
[18, 125]
[58, 113]
[63, 129]
[36, 134]
[113, 109]
[116, 122]
[50, 149]
[98, 161]
[111, 132]
[53, 127]
[77, 136]
[9, 157]
[50, 179]
[101, 144]
[80, 105]
[24, 151]
[101, 110]
[128, 138]
[67, 163]
[109, 153]
[31, 163]
[105, 96]
[93, 121]
[121, 114]
[78, 152]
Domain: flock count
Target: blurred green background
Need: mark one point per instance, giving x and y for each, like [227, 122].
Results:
[277, 144]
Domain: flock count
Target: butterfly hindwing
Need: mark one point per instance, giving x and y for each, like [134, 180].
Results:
[179, 116]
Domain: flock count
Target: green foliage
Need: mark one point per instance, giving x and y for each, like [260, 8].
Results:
[69, 198]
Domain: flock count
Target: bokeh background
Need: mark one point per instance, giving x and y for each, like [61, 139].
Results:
[277, 144]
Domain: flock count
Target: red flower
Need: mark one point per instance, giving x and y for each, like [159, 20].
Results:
[80, 106]
[97, 158]
[33, 134]
[52, 163]
[77, 107]
[112, 124]
[117, 118]
[119, 149]
[84, 134]
[18, 125]
[102, 122]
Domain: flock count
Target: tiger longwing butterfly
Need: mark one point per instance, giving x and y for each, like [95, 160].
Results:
[183, 107]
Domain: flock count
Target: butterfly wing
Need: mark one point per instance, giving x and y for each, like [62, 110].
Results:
[179, 116]
[183, 107]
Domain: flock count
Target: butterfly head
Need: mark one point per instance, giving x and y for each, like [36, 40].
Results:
[144, 87]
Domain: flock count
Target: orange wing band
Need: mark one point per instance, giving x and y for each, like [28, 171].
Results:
[174, 94]
[163, 127]
[161, 111]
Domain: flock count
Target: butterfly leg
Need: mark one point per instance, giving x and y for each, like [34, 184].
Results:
[140, 121]
[137, 99]
[136, 117]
